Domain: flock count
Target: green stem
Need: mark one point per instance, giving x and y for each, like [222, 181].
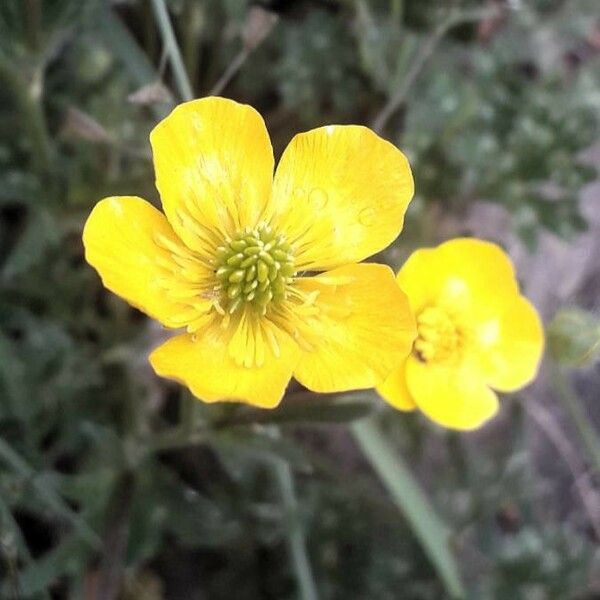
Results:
[569, 399]
[412, 502]
[192, 23]
[296, 539]
[168, 36]
[33, 23]
[397, 11]
[27, 94]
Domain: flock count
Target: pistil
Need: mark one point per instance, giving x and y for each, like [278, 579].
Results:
[254, 268]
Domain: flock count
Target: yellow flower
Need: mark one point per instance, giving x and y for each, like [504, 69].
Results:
[235, 259]
[475, 334]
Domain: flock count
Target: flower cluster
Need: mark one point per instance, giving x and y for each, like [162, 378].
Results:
[260, 273]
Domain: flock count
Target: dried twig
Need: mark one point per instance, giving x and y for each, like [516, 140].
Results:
[549, 425]
[259, 24]
[398, 98]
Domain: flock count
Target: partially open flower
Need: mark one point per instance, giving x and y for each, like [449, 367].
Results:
[234, 260]
[475, 334]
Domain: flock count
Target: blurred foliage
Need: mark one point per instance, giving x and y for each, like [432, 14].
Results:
[97, 474]
[574, 337]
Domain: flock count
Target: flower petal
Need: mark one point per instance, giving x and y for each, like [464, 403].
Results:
[206, 367]
[362, 330]
[471, 274]
[120, 239]
[395, 391]
[214, 168]
[453, 396]
[340, 192]
[509, 347]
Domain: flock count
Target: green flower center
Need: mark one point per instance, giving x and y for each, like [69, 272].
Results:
[254, 268]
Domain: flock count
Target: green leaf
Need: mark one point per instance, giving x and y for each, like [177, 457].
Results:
[39, 235]
[47, 493]
[310, 411]
[8, 526]
[412, 502]
[259, 444]
[68, 558]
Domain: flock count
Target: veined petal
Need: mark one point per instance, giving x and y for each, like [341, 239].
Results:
[214, 168]
[509, 348]
[206, 366]
[362, 330]
[126, 241]
[463, 273]
[340, 192]
[453, 396]
[395, 391]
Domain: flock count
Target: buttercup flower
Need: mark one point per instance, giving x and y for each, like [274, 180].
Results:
[235, 259]
[476, 334]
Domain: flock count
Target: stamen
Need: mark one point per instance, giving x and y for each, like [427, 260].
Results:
[439, 338]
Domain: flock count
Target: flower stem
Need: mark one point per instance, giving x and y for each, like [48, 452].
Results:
[412, 502]
[166, 30]
[27, 96]
[295, 533]
[296, 539]
[33, 23]
[569, 399]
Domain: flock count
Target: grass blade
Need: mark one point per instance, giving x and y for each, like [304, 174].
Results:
[412, 502]
[168, 36]
[122, 43]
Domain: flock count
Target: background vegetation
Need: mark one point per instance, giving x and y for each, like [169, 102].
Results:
[115, 484]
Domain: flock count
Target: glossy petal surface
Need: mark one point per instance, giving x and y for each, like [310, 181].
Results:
[362, 330]
[510, 346]
[120, 243]
[340, 192]
[206, 366]
[463, 274]
[214, 166]
[453, 397]
[395, 391]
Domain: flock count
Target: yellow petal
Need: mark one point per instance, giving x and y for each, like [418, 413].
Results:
[362, 330]
[120, 239]
[453, 396]
[214, 168]
[465, 274]
[395, 391]
[205, 365]
[509, 348]
[340, 192]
